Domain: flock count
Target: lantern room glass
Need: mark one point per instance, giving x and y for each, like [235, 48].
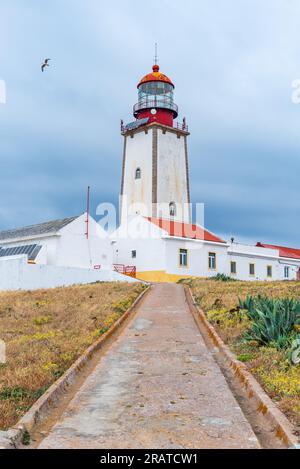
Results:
[156, 94]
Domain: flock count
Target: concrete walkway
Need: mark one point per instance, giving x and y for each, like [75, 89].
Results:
[157, 387]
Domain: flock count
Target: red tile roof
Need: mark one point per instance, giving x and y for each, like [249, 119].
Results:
[291, 253]
[185, 230]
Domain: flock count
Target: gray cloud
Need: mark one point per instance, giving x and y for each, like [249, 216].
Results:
[232, 63]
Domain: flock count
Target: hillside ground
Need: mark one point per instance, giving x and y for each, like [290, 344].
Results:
[46, 331]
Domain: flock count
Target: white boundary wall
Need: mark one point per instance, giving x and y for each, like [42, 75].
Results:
[17, 274]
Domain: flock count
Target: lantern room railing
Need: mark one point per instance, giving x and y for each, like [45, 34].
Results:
[181, 126]
[176, 125]
[160, 104]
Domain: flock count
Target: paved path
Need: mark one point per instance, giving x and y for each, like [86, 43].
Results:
[157, 387]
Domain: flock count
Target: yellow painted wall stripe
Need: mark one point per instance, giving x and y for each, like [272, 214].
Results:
[160, 276]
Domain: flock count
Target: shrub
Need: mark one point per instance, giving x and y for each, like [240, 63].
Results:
[247, 304]
[123, 305]
[273, 320]
[245, 357]
[51, 367]
[282, 382]
[294, 352]
[41, 320]
[16, 394]
[223, 278]
[227, 319]
[110, 320]
[26, 438]
[39, 336]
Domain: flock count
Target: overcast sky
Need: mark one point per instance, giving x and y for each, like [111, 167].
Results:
[233, 63]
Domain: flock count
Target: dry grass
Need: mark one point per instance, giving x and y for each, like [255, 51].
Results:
[279, 378]
[46, 331]
[211, 294]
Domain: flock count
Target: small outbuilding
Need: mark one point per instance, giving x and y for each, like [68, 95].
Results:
[70, 242]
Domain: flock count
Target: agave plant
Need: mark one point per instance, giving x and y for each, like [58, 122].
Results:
[294, 354]
[247, 304]
[273, 320]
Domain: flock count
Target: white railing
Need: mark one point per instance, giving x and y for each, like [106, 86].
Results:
[155, 104]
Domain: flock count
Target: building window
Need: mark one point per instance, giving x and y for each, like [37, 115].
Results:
[173, 210]
[233, 268]
[138, 173]
[212, 261]
[269, 271]
[252, 270]
[133, 254]
[286, 272]
[183, 257]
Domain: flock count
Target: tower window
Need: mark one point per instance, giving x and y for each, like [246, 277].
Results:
[212, 261]
[269, 271]
[183, 257]
[138, 173]
[133, 254]
[233, 268]
[173, 209]
[252, 270]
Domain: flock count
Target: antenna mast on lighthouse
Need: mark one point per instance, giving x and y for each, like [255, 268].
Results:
[156, 56]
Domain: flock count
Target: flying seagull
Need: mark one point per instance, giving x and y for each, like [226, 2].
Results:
[45, 64]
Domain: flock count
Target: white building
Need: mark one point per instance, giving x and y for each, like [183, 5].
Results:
[262, 262]
[60, 243]
[164, 250]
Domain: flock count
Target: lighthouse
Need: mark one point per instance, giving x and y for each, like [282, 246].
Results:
[155, 171]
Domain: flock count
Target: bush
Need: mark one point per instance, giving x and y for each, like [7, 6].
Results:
[280, 380]
[273, 320]
[223, 278]
[41, 320]
[245, 357]
[16, 394]
[294, 352]
[123, 305]
[26, 438]
[227, 319]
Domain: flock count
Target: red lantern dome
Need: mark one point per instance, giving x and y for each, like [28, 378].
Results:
[156, 75]
[156, 99]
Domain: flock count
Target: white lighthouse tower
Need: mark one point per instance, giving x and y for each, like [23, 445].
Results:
[155, 174]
